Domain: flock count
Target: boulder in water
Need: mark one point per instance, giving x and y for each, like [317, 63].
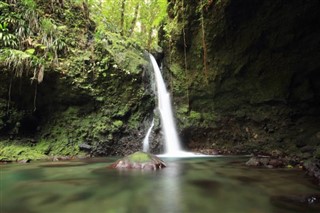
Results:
[139, 160]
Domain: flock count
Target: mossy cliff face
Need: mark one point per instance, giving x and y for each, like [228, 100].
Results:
[101, 113]
[96, 102]
[246, 78]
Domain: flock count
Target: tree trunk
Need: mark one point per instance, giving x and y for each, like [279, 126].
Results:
[134, 20]
[123, 7]
[85, 5]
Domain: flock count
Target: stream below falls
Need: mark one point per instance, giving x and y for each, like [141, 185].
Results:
[215, 185]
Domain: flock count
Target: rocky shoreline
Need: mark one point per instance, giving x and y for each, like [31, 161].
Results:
[310, 166]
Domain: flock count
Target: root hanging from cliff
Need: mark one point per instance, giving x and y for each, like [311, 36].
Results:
[204, 46]
[185, 54]
[9, 94]
[170, 50]
[35, 97]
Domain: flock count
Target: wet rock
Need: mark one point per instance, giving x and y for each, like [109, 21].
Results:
[85, 147]
[24, 161]
[276, 153]
[62, 158]
[276, 163]
[265, 161]
[313, 168]
[139, 160]
[254, 161]
[5, 161]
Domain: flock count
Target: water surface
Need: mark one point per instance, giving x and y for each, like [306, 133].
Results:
[215, 185]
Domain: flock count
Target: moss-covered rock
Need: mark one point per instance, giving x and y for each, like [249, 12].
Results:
[15, 151]
[139, 160]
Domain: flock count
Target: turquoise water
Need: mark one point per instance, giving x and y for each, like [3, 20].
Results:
[215, 185]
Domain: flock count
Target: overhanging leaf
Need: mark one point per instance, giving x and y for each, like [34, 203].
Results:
[30, 51]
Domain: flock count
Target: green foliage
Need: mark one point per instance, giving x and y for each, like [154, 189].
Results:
[31, 4]
[34, 40]
[20, 61]
[97, 62]
[142, 19]
[117, 123]
[7, 39]
[3, 5]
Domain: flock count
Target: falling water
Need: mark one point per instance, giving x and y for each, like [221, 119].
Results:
[146, 139]
[172, 143]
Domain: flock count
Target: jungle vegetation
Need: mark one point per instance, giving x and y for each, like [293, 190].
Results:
[36, 36]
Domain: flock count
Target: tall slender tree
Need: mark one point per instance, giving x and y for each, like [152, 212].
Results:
[134, 20]
[123, 10]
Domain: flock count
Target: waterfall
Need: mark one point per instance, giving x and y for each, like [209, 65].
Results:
[146, 138]
[172, 143]
[171, 140]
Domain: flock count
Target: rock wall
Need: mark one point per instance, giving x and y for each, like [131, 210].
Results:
[247, 77]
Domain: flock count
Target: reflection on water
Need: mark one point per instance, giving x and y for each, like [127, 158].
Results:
[170, 188]
[215, 185]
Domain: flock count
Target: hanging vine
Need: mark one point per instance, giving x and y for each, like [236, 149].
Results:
[35, 97]
[9, 93]
[204, 45]
[185, 51]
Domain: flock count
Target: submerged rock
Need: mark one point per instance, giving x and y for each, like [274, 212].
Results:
[265, 161]
[310, 202]
[139, 160]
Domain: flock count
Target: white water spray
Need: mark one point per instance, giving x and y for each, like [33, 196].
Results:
[146, 138]
[172, 143]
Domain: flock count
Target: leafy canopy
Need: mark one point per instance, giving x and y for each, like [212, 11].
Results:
[139, 20]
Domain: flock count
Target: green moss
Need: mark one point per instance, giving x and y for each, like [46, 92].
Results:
[194, 115]
[20, 152]
[122, 111]
[183, 109]
[179, 80]
[139, 157]
[190, 118]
